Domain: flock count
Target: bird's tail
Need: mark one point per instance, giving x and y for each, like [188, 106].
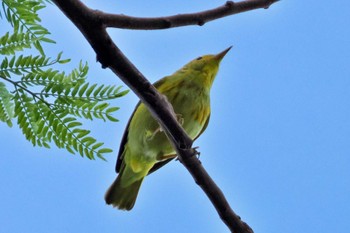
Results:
[121, 195]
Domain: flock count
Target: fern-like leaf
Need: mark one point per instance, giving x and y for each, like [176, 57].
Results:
[46, 102]
[6, 105]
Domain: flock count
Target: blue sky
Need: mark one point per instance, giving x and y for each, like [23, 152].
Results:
[277, 143]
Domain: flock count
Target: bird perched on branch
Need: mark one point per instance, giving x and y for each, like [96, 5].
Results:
[145, 147]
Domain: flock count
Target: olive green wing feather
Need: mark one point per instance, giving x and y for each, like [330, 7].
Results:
[124, 141]
[204, 127]
[159, 165]
[126, 132]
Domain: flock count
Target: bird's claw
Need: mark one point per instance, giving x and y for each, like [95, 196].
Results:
[180, 119]
[197, 153]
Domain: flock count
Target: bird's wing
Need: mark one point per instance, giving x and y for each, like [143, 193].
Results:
[126, 132]
[121, 150]
[159, 165]
[204, 127]
[123, 142]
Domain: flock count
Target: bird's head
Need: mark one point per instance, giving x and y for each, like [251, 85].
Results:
[206, 62]
[206, 66]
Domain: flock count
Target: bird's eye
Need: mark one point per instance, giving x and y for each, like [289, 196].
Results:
[199, 58]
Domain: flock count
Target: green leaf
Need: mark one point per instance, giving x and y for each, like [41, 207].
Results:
[6, 105]
[83, 89]
[111, 118]
[104, 150]
[64, 61]
[97, 145]
[90, 90]
[74, 124]
[45, 39]
[112, 109]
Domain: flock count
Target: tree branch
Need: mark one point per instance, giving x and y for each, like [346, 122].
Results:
[93, 24]
[199, 18]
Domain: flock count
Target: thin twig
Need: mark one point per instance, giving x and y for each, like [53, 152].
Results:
[198, 18]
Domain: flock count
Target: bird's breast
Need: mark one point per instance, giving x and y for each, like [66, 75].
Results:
[193, 110]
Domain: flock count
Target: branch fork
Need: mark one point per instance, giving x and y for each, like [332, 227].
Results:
[93, 24]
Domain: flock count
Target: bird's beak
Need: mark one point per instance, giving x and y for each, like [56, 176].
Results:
[221, 55]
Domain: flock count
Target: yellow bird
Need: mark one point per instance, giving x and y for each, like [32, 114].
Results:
[145, 147]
